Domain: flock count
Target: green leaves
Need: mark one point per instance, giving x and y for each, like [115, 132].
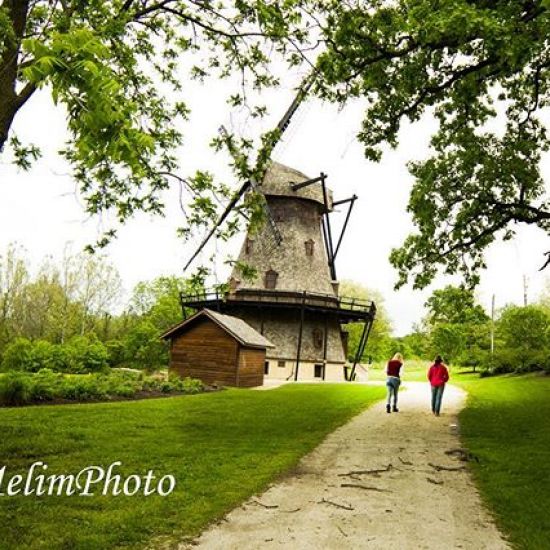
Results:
[464, 62]
[24, 155]
[118, 74]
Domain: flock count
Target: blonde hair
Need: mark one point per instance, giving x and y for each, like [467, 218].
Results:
[397, 357]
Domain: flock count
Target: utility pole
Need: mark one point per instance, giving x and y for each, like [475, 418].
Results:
[492, 327]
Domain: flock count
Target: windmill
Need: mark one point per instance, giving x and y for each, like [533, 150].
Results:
[294, 297]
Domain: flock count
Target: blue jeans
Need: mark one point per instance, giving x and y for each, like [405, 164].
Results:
[437, 396]
[393, 383]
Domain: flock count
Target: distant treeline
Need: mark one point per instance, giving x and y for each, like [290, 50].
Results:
[459, 329]
[67, 316]
[62, 316]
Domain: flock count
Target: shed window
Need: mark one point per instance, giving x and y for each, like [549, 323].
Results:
[248, 246]
[266, 367]
[318, 338]
[310, 246]
[271, 279]
[318, 371]
[281, 364]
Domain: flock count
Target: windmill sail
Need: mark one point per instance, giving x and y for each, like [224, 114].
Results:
[252, 184]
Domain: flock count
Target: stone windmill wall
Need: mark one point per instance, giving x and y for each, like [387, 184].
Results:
[298, 264]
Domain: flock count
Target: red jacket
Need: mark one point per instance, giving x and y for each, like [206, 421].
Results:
[438, 375]
[394, 368]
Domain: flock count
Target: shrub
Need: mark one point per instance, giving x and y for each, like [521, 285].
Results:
[144, 349]
[85, 355]
[115, 351]
[19, 388]
[18, 356]
[46, 356]
[45, 385]
[82, 388]
[191, 385]
[14, 389]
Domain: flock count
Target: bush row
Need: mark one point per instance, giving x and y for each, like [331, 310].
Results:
[78, 355]
[18, 388]
[517, 361]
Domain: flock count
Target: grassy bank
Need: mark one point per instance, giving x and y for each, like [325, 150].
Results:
[507, 425]
[221, 447]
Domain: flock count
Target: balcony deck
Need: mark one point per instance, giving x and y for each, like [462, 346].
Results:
[348, 310]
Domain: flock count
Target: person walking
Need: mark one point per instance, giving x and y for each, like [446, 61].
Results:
[438, 375]
[394, 369]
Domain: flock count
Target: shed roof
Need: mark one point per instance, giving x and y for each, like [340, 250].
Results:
[241, 331]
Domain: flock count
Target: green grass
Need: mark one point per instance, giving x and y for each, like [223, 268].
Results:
[221, 447]
[507, 425]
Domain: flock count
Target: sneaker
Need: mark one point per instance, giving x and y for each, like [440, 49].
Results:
[388, 409]
[395, 409]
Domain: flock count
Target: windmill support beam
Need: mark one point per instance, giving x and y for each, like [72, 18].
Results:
[326, 241]
[325, 344]
[300, 334]
[351, 202]
[328, 229]
[307, 183]
[363, 342]
[344, 201]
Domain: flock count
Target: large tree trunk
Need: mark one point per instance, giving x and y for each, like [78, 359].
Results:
[10, 101]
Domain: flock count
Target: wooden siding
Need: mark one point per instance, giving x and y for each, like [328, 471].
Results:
[251, 367]
[205, 351]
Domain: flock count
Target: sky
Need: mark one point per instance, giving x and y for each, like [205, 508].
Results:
[41, 211]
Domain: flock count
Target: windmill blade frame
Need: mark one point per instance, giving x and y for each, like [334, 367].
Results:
[251, 183]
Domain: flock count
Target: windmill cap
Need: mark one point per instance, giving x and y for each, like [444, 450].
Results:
[279, 179]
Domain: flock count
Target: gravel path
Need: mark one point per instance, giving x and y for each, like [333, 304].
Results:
[411, 504]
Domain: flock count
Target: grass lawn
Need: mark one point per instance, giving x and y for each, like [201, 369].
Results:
[507, 425]
[221, 447]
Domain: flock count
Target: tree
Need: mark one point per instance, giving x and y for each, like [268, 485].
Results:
[117, 68]
[483, 69]
[415, 344]
[380, 342]
[448, 341]
[457, 326]
[13, 278]
[159, 301]
[524, 336]
[154, 307]
[455, 305]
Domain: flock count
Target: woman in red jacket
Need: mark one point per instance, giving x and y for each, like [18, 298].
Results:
[438, 375]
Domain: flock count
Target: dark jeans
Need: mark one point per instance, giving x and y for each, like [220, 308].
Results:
[437, 396]
[393, 383]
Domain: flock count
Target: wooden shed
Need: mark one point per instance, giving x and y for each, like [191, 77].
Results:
[217, 349]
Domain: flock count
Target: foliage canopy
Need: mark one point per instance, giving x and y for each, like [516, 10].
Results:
[483, 69]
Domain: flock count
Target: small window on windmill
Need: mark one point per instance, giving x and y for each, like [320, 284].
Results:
[248, 246]
[318, 339]
[271, 279]
[278, 212]
[310, 246]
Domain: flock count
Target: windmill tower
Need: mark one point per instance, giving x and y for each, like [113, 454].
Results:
[294, 291]
[293, 298]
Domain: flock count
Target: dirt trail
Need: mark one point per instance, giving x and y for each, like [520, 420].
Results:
[412, 505]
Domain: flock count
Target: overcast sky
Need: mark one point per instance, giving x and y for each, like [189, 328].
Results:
[41, 211]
